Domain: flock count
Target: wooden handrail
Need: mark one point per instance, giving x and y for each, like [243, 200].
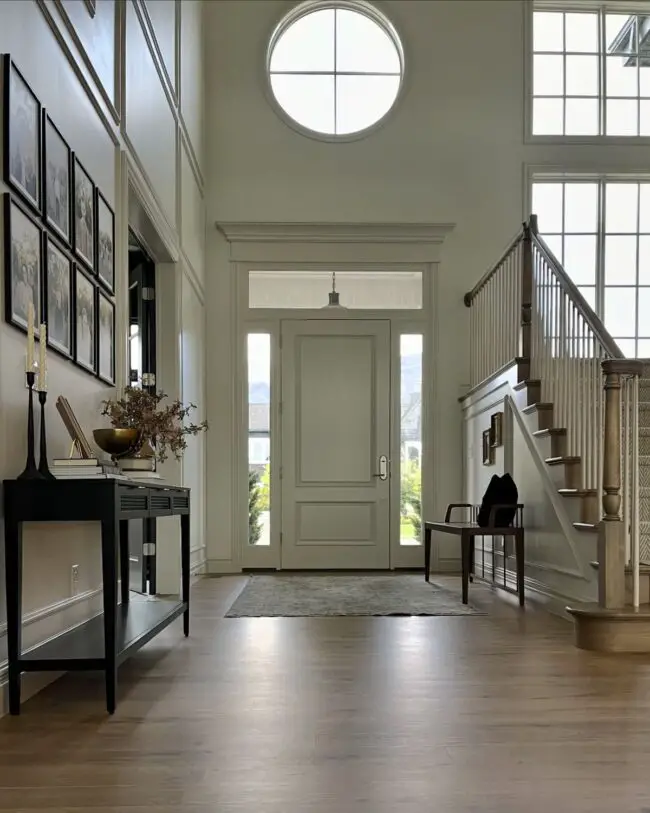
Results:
[470, 295]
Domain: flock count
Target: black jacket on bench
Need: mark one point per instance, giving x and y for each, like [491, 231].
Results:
[500, 491]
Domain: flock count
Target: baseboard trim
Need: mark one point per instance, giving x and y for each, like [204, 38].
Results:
[541, 594]
[32, 683]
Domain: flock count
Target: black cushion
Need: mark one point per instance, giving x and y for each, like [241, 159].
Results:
[500, 491]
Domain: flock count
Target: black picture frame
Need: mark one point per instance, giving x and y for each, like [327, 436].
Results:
[53, 207]
[105, 307]
[26, 183]
[17, 283]
[85, 300]
[105, 241]
[54, 296]
[82, 220]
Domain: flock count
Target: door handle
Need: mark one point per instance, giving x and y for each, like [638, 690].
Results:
[383, 468]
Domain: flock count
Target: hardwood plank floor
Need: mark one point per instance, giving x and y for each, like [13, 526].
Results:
[342, 715]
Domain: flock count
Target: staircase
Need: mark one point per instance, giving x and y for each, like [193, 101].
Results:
[588, 410]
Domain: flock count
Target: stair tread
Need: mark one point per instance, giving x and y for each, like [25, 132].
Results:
[577, 492]
[585, 527]
[562, 460]
[541, 433]
[527, 382]
[539, 406]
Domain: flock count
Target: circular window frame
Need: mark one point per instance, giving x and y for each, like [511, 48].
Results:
[307, 7]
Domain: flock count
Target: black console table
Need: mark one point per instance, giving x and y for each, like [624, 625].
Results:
[105, 641]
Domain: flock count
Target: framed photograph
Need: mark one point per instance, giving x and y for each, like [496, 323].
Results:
[496, 427]
[23, 265]
[106, 339]
[58, 297]
[79, 440]
[84, 321]
[22, 136]
[57, 173]
[488, 454]
[105, 242]
[84, 215]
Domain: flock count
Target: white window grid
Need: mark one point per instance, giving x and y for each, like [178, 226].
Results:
[606, 103]
[636, 342]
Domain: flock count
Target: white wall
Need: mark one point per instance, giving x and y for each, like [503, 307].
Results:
[70, 60]
[452, 152]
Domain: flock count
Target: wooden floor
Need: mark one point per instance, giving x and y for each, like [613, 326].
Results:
[496, 713]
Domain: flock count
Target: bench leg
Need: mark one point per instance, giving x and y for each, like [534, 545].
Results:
[427, 553]
[520, 563]
[465, 543]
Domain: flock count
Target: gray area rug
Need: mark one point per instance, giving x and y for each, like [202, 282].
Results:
[331, 594]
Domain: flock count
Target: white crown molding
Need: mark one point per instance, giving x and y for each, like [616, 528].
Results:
[246, 232]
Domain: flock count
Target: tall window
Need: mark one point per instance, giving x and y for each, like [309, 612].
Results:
[410, 439]
[259, 438]
[600, 231]
[591, 73]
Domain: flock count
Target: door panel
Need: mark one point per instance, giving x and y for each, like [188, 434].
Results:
[335, 429]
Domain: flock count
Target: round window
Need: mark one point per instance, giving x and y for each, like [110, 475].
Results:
[335, 69]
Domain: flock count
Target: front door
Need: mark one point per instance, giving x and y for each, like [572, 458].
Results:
[335, 444]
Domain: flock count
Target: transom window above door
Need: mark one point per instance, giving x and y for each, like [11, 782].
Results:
[591, 72]
[335, 69]
[354, 290]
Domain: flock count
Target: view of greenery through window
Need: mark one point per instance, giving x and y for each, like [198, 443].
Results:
[410, 439]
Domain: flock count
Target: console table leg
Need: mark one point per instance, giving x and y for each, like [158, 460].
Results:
[465, 544]
[109, 571]
[427, 553]
[125, 575]
[14, 582]
[185, 570]
[520, 564]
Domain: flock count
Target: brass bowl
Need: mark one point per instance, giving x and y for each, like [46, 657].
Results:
[117, 442]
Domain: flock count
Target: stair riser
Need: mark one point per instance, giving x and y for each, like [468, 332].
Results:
[581, 509]
[568, 475]
[539, 419]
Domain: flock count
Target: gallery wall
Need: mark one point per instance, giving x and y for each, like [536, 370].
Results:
[452, 151]
[139, 133]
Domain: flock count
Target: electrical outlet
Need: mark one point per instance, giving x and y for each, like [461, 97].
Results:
[74, 580]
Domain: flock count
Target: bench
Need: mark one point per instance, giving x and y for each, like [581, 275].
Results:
[468, 531]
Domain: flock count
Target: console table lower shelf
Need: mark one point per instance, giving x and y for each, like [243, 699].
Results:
[82, 648]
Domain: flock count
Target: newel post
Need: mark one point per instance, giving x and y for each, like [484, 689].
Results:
[611, 532]
[527, 281]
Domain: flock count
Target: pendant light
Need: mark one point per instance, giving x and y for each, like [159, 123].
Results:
[334, 303]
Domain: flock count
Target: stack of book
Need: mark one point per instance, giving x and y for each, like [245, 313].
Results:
[79, 467]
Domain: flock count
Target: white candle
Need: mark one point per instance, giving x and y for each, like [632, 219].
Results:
[29, 365]
[42, 360]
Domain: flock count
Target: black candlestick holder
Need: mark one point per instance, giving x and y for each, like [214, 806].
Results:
[30, 471]
[43, 468]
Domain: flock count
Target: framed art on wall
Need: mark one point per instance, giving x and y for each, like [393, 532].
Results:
[84, 321]
[23, 265]
[22, 136]
[106, 339]
[488, 451]
[105, 242]
[56, 179]
[58, 297]
[84, 215]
